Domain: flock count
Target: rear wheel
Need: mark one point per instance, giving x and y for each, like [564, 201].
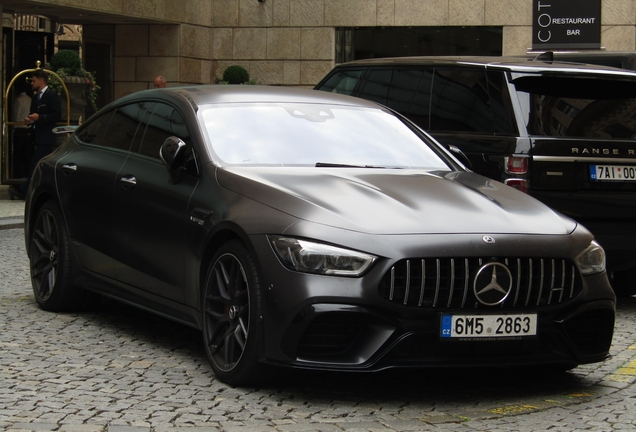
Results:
[231, 308]
[50, 262]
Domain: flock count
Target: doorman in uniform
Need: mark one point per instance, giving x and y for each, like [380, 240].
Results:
[45, 112]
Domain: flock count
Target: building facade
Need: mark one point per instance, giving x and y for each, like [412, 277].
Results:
[287, 42]
[280, 42]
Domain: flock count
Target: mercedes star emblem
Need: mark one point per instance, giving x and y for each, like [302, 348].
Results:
[492, 284]
[488, 239]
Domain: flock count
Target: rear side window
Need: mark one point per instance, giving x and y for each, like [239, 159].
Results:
[460, 101]
[342, 82]
[578, 107]
[92, 133]
[122, 128]
[410, 94]
[376, 86]
[503, 114]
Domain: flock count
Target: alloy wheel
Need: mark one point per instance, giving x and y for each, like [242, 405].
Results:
[227, 312]
[44, 255]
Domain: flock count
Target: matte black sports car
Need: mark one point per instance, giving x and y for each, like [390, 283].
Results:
[310, 230]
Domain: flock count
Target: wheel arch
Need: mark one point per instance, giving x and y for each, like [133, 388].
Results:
[224, 233]
[35, 205]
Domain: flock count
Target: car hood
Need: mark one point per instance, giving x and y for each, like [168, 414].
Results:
[393, 201]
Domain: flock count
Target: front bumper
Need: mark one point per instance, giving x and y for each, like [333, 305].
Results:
[342, 337]
[337, 323]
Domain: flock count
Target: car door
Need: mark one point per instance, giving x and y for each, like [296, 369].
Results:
[150, 214]
[86, 178]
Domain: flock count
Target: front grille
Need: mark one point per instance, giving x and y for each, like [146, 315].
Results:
[449, 283]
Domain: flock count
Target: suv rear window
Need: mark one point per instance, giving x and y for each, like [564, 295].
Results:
[577, 107]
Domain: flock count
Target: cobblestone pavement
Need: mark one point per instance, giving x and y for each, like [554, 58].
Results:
[118, 369]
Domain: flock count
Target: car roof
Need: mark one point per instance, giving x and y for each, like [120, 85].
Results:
[510, 63]
[220, 94]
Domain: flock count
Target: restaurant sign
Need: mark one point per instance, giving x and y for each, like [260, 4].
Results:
[566, 24]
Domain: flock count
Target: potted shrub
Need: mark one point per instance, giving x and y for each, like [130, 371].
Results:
[80, 83]
[236, 75]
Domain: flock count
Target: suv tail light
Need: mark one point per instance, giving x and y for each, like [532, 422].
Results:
[517, 183]
[516, 165]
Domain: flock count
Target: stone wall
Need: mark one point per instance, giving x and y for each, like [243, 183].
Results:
[181, 53]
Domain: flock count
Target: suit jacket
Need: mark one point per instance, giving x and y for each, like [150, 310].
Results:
[50, 110]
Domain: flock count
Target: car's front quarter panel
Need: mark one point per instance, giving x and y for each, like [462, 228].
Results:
[217, 215]
[42, 189]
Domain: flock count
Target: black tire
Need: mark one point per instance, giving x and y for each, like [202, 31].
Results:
[231, 309]
[50, 263]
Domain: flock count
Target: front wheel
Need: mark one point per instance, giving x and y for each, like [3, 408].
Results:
[50, 262]
[231, 308]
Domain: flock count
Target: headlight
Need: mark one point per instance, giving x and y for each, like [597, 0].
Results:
[310, 257]
[592, 259]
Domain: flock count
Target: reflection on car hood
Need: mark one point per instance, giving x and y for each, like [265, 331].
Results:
[381, 201]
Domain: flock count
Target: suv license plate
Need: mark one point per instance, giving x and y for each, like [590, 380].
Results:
[612, 173]
[488, 326]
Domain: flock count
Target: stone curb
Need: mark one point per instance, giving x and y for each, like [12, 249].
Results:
[11, 222]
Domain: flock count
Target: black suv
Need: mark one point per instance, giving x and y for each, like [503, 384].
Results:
[565, 133]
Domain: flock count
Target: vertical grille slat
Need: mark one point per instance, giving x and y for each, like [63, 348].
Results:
[423, 283]
[518, 282]
[438, 264]
[562, 280]
[466, 280]
[530, 270]
[447, 283]
[541, 280]
[452, 283]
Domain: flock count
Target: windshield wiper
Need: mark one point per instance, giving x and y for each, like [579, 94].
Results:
[337, 165]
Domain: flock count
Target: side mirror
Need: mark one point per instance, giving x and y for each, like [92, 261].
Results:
[173, 155]
[64, 129]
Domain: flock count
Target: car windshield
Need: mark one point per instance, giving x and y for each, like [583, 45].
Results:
[297, 134]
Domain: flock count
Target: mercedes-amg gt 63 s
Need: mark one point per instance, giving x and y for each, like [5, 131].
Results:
[310, 230]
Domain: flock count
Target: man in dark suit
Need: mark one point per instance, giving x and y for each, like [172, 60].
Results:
[46, 111]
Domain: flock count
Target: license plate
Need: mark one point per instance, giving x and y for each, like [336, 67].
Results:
[612, 173]
[489, 326]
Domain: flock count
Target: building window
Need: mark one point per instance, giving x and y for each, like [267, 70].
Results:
[354, 43]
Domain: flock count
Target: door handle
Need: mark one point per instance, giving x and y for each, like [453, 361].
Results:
[128, 181]
[69, 168]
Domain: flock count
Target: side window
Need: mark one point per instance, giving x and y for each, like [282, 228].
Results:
[164, 122]
[376, 86]
[144, 113]
[460, 101]
[342, 82]
[500, 102]
[410, 94]
[92, 133]
[122, 128]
